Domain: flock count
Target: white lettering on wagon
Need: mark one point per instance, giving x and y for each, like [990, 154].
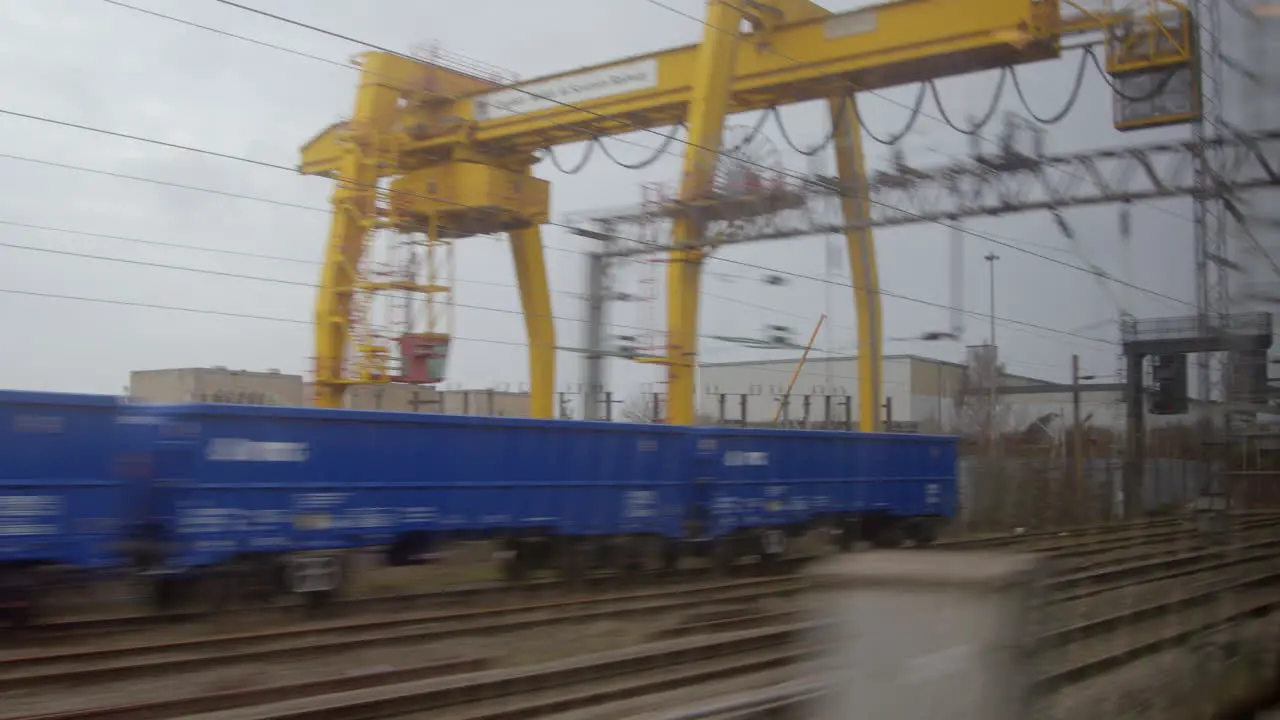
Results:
[29, 514]
[242, 450]
[737, 458]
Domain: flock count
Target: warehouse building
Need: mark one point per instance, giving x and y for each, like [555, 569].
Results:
[218, 385]
[246, 387]
[920, 394]
[398, 397]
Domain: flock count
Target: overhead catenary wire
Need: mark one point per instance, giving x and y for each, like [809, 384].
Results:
[974, 130]
[995, 238]
[297, 283]
[554, 101]
[265, 44]
[917, 107]
[215, 191]
[284, 281]
[669, 138]
[267, 164]
[310, 261]
[201, 311]
[292, 321]
[206, 249]
[916, 110]
[276, 166]
[282, 167]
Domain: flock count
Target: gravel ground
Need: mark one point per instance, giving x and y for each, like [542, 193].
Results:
[625, 708]
[685, 697]
[259, 619]
[1175, 685]
[1154, 551]
[466, 564]
[555, 641]
[1059, 615]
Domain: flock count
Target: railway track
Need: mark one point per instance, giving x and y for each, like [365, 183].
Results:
[671, 673]
[1072, 653]
[763, 655]
[1067, 655]
[1089, 583]
[157, 660]
[1071, 545]
[1090, 648]
[78, 629]
[1064, 589]
[1098, 536]
[1088, 546]
[998, 541]
[1080, 547]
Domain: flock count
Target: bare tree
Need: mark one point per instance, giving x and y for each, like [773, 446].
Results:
[979, 412]
[638, 409]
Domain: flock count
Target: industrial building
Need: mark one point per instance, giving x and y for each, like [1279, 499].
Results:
[920, 394]
[217, 384]
[402, 397]
[246, 387]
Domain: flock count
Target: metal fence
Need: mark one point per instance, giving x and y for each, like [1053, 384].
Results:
[1037, 493]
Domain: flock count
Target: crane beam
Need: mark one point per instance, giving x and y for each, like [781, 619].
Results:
[812, 59]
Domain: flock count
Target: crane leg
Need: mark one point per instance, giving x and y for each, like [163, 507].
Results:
[684, 277]
[862, 259]
[712, 79]
[353, 216]
[535, 300]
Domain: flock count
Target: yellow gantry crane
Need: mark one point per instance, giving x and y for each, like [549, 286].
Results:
[446, 152]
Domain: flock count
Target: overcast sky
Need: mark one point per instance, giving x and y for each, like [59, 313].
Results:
[95, 63]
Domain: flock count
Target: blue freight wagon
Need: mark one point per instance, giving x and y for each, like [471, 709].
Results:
[62, 501]
[271, 492]
[761, 486]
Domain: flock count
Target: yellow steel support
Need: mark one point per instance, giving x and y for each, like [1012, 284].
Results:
[460, 145]
[712, 76]
[353, 215]
[862, 259]
[806, 59]
[441, 269]
[535, 300]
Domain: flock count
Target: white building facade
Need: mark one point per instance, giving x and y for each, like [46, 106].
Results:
[919, 393]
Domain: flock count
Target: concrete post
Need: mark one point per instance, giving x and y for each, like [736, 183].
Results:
[593, 374]
[1135, 457]
[926, 634]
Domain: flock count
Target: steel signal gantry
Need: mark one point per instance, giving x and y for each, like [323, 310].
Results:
[459, 145]
[1001, 185]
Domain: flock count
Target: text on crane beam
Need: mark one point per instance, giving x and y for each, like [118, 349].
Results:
[568, 90]
[856, 22]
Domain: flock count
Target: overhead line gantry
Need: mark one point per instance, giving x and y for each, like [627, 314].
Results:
[447, 152]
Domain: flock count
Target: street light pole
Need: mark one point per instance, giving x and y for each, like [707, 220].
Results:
[991, 259]
[992, 430]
